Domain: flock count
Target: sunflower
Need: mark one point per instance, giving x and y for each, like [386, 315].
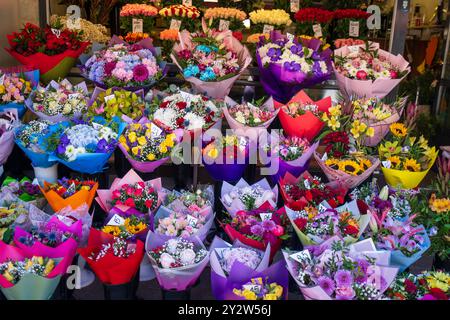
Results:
[135, 228]
[395, 161]
[411, 165]
[332, 163]
[364, 163]
[398, 130]
[112, 230]
[350, 166]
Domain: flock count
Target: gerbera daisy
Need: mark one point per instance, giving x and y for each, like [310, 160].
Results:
[411, 165]
[350, 167]
[398, 130]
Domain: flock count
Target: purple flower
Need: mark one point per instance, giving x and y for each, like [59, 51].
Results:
[274, 54]
[102, 146]
[268, 225]
[64, 140]
[61, 149]
[343, 278]
[297, 49]
[292, 66]
[345, 293]
[327, 285]
[140, 73]
[257, 230]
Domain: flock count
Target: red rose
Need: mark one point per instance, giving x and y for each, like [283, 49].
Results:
[130, 203]
[308, 195]
[340, 199]
[164, 104]
[410, 287]
[180, 122]
[149, 203]
[301, 223]
[351, 230]
[181, 105]
[297, 205]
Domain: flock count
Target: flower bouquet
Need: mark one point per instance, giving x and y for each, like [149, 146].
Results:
[308, 190]
[178, 263]
[69, 192]
[189, 112]
[288, 65]
[53, 51]
[126, 66]
[8, 122]
[59, 101]
[134, 37]
[114, 260]
[259, 227]
[406, 240]
[211, 61]
[83, 146]
[187, 16]
[130, 228]
[346, 160]
[28, 278]
[428, 285]
[367, 71]
[115, 102]
[259, 289]
[167, 38]
[309, 19]
[347, 42]
[245, 197]
[345, 17]
[315, 225]
[15, 89]
[226, 158]
[223, 19]
[13, 212]
[25, 189]
[263, 20]
[406, 160]
[227, 262]
[302, 117]
[131, 11]
[146, 146]
[250, 118]
[71, 216]
[291, 155]
[333, 271]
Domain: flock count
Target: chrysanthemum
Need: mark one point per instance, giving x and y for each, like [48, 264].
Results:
[343, 278]
[327, 284]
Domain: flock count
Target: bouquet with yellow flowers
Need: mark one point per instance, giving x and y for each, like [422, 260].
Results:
[346, 160]
[258, 289]
[223, 19]
[406, 160]
[266, 20]
[186, 16]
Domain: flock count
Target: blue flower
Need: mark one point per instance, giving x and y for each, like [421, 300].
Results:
[191, 71]
[206, 49]
[208, 75]
[297, 49]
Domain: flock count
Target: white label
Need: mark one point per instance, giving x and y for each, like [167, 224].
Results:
[155, 131]
[175, 24]
[116, 220]
[56, 32]
[295, 5]
[192, 220]
[325, 157]
[266, 216]
[187, 3]
[386, 164]
[307, 184]
[323, 206]
[2, 79]
[342, 209]
[138, 25]
[72, 188]
[110, 97]
[290, 36]
[224, 25]
[187, 97]
[268, 28]
[252, 287]
[317, 28]
[301, 256]
[354, 29]
[354, 49]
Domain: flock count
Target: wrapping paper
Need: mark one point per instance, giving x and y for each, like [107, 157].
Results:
[282, 85]
[290, 179]
[237, 205]
[7, 138]
[306, 126]
[405, 179]
[181, 278]
[347, 180]
[76, 200]
[251, 132]
[57, 118]
[36, 200]
[379, 88]
[39, 160]
[214, 89]
[240, 274]
[111, 270]
[51, 67]
[79, 214]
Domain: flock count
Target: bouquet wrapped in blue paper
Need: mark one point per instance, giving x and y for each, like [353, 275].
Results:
[83, 145]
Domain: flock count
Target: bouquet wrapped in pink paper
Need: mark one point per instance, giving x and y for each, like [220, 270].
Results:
[210, 60]
[250, 118]
[8, 122]
[244, 196]
[146, 146]
[82, 214]
[178, 262]
[366, 71]
[331, 271]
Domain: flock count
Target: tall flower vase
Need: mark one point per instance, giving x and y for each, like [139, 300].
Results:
[146, 270]
[49, 174]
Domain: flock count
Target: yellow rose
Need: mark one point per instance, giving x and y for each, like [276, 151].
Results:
[249, 295]
[151, 157]
[132, 137]
[142, 141]
[270, 296]
[135, 150]
[163, 148]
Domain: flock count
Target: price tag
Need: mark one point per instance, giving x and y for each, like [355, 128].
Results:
[110, 97]
[325, 157]
[73, 96]
[266, 216]
[187, 97]
[175, 24]
[72, 188]
[386, 164]
[138, 25]
[116, 220]
[354, 29]
[290, 36]
[56, 32]
[192, 220]
[323, 206]
[256, 288]
[354, 49]
[268, 28]
[295, 5]
[307, 184]
[317, 28]
[343, 208]
[155, 131]
[224, 25]
[301, 256]
[187, 3]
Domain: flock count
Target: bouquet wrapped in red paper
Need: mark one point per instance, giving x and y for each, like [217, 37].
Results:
[52, 51]
[114, 260]
[257, 228]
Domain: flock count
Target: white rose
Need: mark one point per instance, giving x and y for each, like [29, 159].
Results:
[172, 245]
[166, 260]
[187, 257]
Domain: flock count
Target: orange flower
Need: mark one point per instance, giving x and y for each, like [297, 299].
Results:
[169, 34]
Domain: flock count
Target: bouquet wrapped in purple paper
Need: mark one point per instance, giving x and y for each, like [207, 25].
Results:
[288, 65]
[8, 121]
